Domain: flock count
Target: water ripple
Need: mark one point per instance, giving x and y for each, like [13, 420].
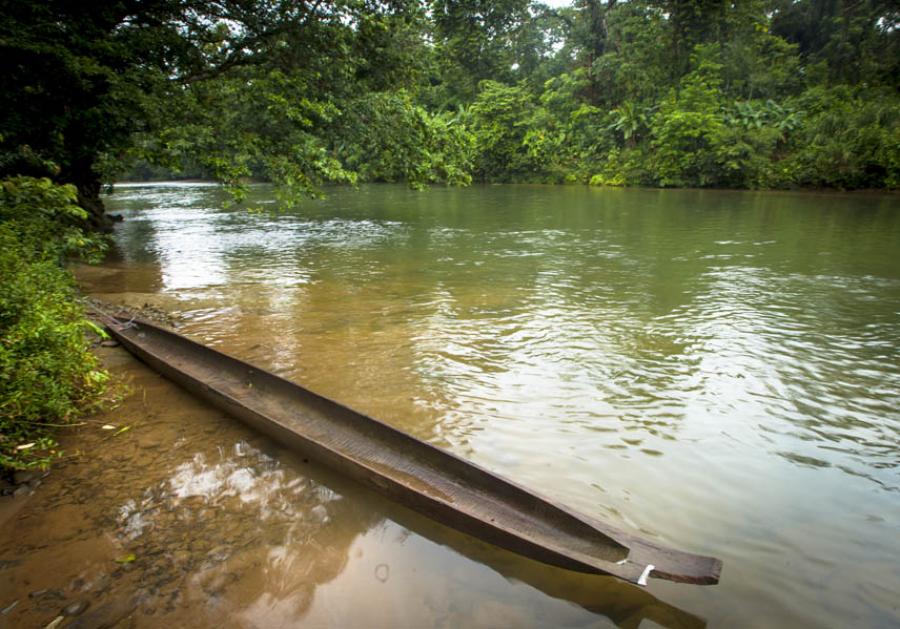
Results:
[703, 362]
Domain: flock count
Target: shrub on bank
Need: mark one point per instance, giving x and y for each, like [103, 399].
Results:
[48, 375]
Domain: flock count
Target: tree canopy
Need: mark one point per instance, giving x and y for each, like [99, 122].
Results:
[758, 93]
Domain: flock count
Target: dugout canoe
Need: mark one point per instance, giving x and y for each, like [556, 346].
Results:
[420, 476]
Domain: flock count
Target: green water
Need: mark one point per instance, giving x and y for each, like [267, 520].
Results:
[719, 371]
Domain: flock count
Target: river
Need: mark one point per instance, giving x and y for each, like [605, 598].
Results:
[718, 371]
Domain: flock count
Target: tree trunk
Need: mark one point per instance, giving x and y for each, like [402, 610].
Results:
[89, 199]
[82, 175]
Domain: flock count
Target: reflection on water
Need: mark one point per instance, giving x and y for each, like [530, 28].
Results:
[716, 370]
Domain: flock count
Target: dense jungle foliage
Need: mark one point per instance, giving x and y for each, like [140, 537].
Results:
[48, 375]
[747, 94]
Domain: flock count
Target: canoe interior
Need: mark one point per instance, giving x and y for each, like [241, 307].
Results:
[419, 475]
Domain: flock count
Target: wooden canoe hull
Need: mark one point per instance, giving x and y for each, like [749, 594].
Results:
[411, 472]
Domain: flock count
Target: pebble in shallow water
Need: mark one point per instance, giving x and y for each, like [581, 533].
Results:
[74, 608]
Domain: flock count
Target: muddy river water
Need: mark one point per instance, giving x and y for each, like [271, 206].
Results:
[717, 371]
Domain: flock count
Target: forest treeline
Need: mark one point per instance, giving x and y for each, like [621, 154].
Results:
[747, 94]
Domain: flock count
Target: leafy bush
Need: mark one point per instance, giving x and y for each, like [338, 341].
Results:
[385, 136]
[567, 139]
[500, 119]
[48, 376]
[850, 140]
[687, 129]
